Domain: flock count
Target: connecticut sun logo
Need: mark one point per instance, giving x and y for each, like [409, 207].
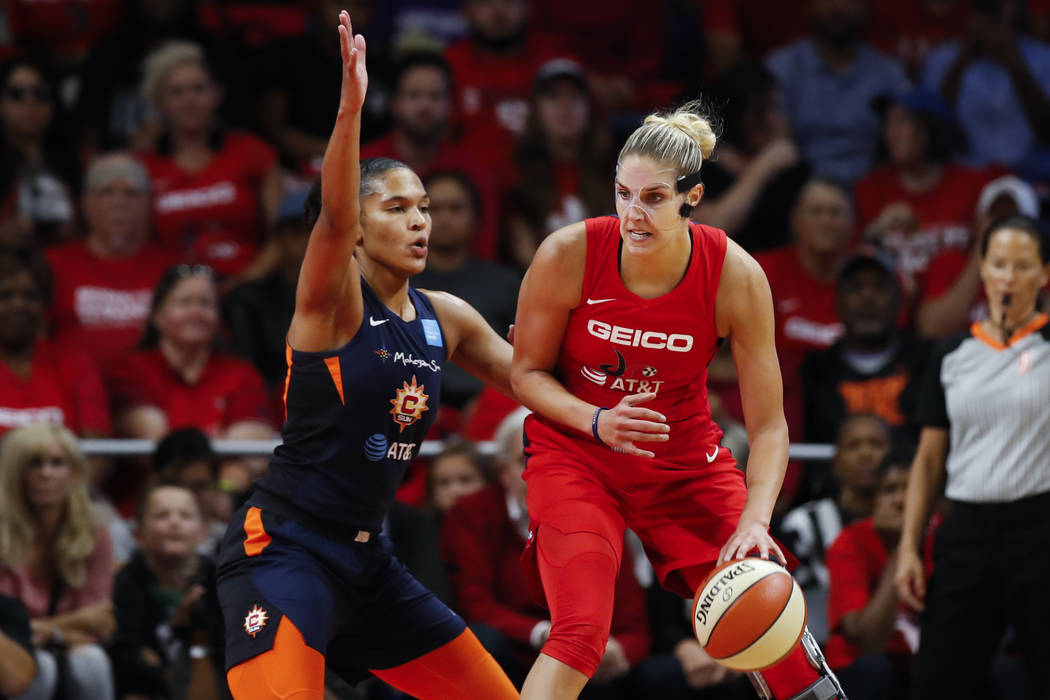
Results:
[409, 404]
[255, 621]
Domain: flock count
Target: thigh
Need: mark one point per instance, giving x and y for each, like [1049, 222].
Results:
[393, 621]
[685, 517]
[1024, 558]
[962, 624]
[266, 578]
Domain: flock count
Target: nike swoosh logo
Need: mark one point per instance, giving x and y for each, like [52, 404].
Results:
[373, 322]
[711, 457]
[600, 301]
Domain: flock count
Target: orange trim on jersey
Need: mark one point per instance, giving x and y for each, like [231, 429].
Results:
[460, 669]
[1032, 326]
[290, 669]
[256, 539]
[332, 363]
[287, 377]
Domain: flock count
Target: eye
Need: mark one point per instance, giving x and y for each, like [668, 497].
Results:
[655, 198]
[397, 208]
[623, 194]
[425, 208]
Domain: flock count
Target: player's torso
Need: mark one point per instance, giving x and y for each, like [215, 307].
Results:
[617, 343]
[357, 416]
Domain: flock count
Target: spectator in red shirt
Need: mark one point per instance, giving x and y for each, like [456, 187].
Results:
[57, 558]
[422, 138]
[482, 540]
[802, 278]
[37, 169]
[918, 203]
[457, 471]
[103, 283]
[215, 192]
[953, 296]
[493, 70]
[40, 380]
[873, 635]
[563, 160]
[176, 379]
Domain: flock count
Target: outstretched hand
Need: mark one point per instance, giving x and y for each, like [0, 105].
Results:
[355, 74]
[620, 426]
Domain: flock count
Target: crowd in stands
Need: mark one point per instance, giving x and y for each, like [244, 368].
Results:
[158, 186]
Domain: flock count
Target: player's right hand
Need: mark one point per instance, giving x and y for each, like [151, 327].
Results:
[626, 422]
[355, 75]
[910, 578]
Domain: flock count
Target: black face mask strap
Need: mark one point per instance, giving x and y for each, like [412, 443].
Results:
[684, 184]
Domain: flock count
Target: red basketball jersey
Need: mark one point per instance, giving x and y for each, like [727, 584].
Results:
[617, 343]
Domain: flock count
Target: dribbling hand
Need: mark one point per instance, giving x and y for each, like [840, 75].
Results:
[620, 426]
[748, 536]
[355, 75]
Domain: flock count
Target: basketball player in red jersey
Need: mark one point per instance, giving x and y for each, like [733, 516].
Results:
[617, 321]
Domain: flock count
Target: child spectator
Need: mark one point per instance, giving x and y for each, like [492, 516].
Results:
[873, 635]
[56, 558]
[185, 458]
[169, 638]
[457, 471]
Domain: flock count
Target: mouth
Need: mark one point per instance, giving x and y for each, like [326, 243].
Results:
[419, 247]
[638, 236]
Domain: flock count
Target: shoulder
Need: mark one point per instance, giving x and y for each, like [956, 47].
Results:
[771, 259]
[231, 365]
[458, 54]
[781, 60]
[740, 268]
[937, 61]
[65, 253]
[249, 147]
[566, 248]
[950, 344]
[853, 537]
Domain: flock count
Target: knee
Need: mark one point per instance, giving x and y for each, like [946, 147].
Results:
[579, 643]
[46, 680]
[91, 671]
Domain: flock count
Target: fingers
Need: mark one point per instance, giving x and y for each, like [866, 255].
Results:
[644, 414]
[643, 426]
[635, 399]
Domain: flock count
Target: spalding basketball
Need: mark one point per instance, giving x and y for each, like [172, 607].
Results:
[749, 614]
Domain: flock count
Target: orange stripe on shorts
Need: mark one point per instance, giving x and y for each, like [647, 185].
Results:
[256, 539]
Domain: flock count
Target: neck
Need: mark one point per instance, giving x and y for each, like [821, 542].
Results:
[822, 266]
[390, 287]
[95, 245]
[416, 154]
[564, 150]
[189, 139]
[32, 148]
[48, 521]
[188, 360]
[838, 56]
[172, 572]
[19, 355]
[658, 274]
[919, 175]
[1015, 319]
[871, 343]
[859, 502]
[447, 259]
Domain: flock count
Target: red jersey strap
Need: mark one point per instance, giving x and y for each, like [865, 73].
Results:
[603, 233]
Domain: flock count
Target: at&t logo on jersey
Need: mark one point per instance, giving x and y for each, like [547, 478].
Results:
[409, 403]
[377, 448]
[619, 382]
[639, 338]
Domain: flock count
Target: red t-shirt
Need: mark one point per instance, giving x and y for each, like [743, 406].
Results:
[453, 157]
[855, 561]
[908, 30]
[64, 387]
[101, 304]
[761, 25]
[66, 28]
[230, 390]
[805, 317]
[945, 215]
[214, 215]
[492, 93]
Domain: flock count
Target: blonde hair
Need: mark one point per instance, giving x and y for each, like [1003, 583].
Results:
[159, 64]
[78, 531]
[681, 139]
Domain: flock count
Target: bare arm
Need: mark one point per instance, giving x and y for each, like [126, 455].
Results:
[925, 483]
[95, 620]
[940, 317]
[872, 627]
[473, 345]
[17, 667]
[328, 304]
[730, 210]
[744, 311]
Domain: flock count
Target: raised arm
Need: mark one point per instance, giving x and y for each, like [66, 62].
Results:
[744, 312]
[328, 306]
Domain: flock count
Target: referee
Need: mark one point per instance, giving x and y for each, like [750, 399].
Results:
[985, 417]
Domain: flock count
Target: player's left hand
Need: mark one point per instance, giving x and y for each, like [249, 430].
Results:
[750, 535]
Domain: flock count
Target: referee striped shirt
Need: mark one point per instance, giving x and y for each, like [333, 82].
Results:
[994, 400]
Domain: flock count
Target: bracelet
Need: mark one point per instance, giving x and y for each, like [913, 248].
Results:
[594, 423]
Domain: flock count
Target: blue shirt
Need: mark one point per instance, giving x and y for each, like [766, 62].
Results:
[989, 109]
[830, 112]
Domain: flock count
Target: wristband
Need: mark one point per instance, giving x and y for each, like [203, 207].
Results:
[594, 424]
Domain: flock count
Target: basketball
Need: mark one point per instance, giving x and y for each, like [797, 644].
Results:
[749, 614]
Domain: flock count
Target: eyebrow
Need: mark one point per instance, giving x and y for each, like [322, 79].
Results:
[404, 198]
[658, 185]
